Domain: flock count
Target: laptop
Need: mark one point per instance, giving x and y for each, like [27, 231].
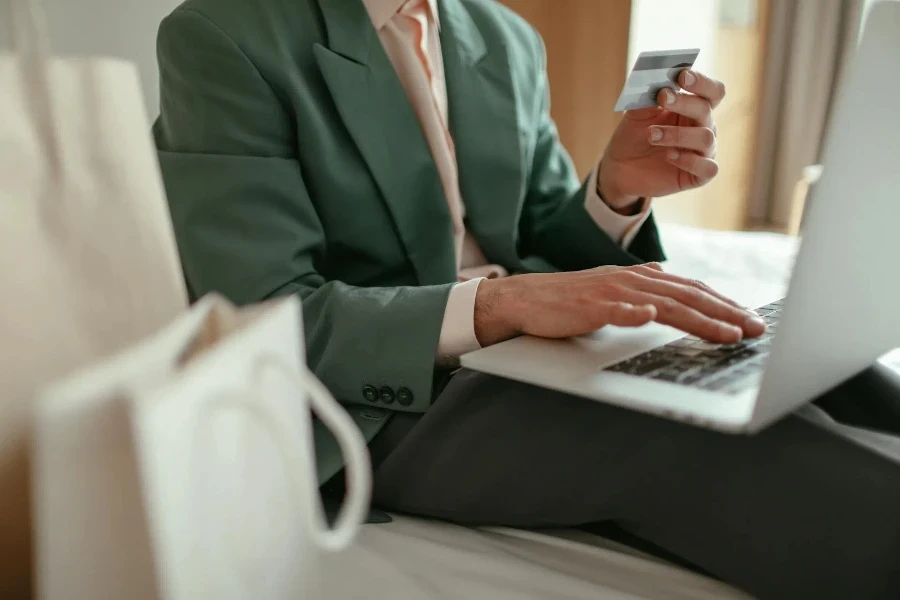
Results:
[841, 312]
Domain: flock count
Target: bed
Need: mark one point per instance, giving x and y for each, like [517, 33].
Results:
[426, 560]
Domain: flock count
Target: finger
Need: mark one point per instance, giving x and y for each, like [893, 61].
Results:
[701, 85]
[688, 105]
[624, 314]
[659, 273]
[705, 303]
[700, 139]
[642, 114]
[703, 168]
[670, 311]
[655, 266]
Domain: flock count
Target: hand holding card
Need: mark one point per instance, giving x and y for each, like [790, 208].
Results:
[666, 141]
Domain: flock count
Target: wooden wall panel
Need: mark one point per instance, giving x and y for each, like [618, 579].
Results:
[587, 53]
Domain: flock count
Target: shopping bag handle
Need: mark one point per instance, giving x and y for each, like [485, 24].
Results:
[354, 511]
[31, 45]
[294, 450]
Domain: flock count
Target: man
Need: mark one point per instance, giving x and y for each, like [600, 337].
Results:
[395, 165]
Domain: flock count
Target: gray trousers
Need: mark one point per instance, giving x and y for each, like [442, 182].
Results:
[797, 511]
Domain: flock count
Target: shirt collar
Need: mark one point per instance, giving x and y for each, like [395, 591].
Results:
[381, 11]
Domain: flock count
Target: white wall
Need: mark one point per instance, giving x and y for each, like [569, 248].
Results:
[121, 28]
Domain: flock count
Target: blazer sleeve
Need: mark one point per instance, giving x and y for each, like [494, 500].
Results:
[555, 223]
[246, 226]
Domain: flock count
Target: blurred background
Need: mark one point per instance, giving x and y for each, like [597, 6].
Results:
[782, 61]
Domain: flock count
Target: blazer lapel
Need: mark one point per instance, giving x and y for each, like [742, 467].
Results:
[484, 125]
[376, 111]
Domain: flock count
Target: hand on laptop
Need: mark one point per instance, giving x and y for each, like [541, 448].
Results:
[560, 305]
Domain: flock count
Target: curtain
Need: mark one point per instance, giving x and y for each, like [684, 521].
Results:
[809, 45]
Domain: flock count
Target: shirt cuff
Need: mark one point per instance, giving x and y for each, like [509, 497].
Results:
[619, 227]
[458, 328]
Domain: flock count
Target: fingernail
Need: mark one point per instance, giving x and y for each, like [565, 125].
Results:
[674, 154]
[755, 322]
[656, 134]
[731, 331]
[670, 97]
[689, 78]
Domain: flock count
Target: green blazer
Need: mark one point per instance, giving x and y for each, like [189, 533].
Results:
[294, 164]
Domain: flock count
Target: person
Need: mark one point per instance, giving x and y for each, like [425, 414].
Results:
[394, 164]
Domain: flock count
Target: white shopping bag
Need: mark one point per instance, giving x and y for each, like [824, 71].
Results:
[184, 468]
[88, 262]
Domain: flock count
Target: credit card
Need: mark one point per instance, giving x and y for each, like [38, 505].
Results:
[652, 72]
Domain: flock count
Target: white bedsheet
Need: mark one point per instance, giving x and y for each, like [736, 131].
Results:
[422, 560]
[412, 559]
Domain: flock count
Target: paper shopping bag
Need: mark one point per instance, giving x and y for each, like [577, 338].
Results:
[184, 468]
[87, 254]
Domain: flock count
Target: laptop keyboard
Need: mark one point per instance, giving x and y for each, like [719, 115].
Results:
[690, 361]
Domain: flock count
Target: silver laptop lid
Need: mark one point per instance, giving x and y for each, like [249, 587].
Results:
[843, 306]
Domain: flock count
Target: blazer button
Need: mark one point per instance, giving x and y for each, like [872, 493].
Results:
[370, 393]
[387, 394]
[405, 396]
